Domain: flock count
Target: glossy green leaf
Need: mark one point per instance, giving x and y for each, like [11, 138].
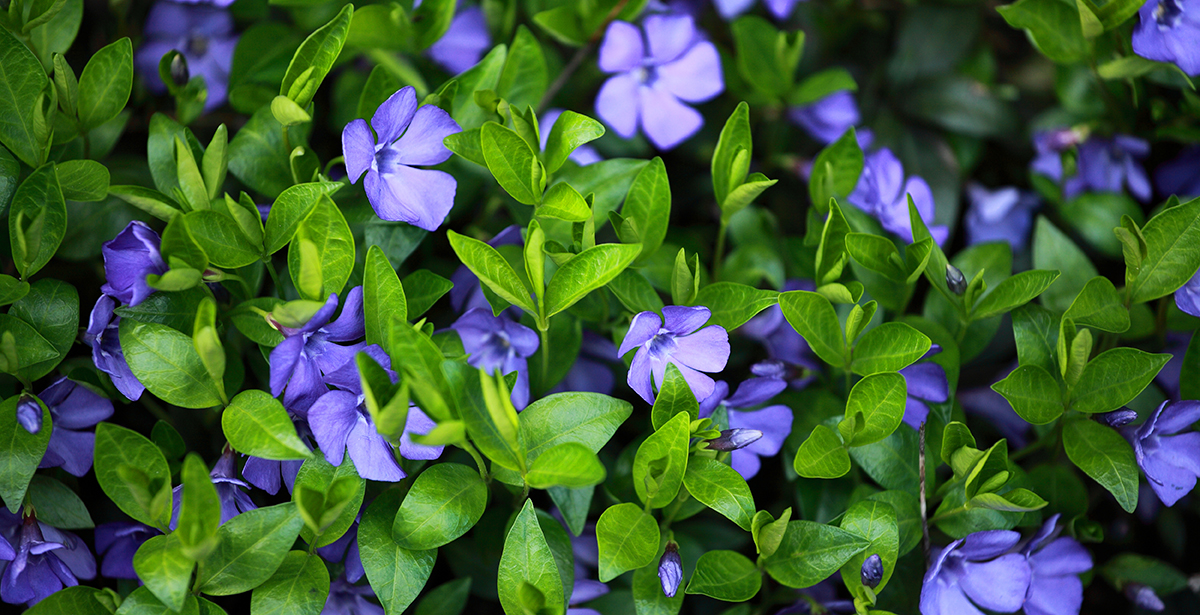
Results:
[20, 451]
[82, 180]
[290, 209]
[876, 523]
[162, 565]
[1105, 456]
[199, 510]
[813, 317]
[492, 269]
[648, 206]
[660, 462]
[889, 347]
[37, 220]
[315, 57]
[590, 419]
[143, 602]
[589, 270]
[256, 424]
[1100, 306]
[1172, 242]
[118, 447]
[734, 304]
[166, 362]
[328, 498]
[880, 400]
[566, 465]
[528, 560]
[396, 574]
[23, 81]
[822, 455]
[725, 575]
[1053, 26]
[628, 539]
[735, 138]
[1013, 292]
[1033, 393]
[325, 229]
[720, 488]
[51, 307]
[444, 502]
[250, 548]
[836, 171]
[810, 552]
[513, 163]
[299, 587]
[570, 130]
[1114, 377]
[105, 84]
[383, 297]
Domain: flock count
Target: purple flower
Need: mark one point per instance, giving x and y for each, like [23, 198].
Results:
[733, 439]
[1167, 31]
[583, 155]
[670, 570]
[205, 37]
[976, 571]
[464, 43]
[128, 259]
[495, 343]
[871, 572]
[1003, 214]
[883, 192]
[773, 422]
[102, 336]
[1170, 459]
[44, 560]
[783, 343]
[584, 590]
[591, 371]
[267, 474]
[1107, 164]
[1055, 564]
[654, 73]
[829, 118]
[824, 595]
[29, 414]
[780, 9]
[346, 598]
[1187, 298]
[305, 355]
[926, 383]
[403, 136]
[233, 500]
[1181, 175]
[466, 294]
[75, 409]
[345, 550]
[680, 340]
[117, 542]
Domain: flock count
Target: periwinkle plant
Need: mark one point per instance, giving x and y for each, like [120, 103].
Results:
[597, 308]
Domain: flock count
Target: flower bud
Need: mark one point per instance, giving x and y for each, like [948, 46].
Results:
[670, 569]
[29, 414]
[733, 439]
[955, 280]
[1144, 597]
[179, 70]
[1116, 418]
[872, 571]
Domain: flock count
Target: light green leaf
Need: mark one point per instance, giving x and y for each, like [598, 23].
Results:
[528, 560]
[810, 552]
[118, 447]
[627, 538]
[513, 163]
[315, 57]
[813, 317]
[444, 502]
[383, 297]
[569, 132]
[492, 269]
[1106, 457]
[660, 462]
[1013, 292]
[256, 424]
[251, 547]
[290, 209]
[299, 586]
[889, 347]
[720, 488]
[880, 399]
[822, 455]
[567, 465]
[166, 362]
[589, 270]
[396, 574]
[1033, 393]
[1172, 254]
[725, 575]
[326, 230]
[161, 564]
[105, 84]
[734, 304]
[1114, 378]
[37, 219]
[875, 522]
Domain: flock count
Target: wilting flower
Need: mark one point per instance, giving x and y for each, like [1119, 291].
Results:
[128, 259]
[729, 9]
[1003, 214]
[871, 572]
[234, 501]
[976, 571]
[670, 570]
[74, 408]
[1107, 164]
[1167, 31]
[774, 423]
[1181, 175]
[654, 76]
[102, 335]
[783, 343]
[1055, 563]
[583, 155]
[403, 136]
[680, 340]
[43, 561]
[310, 352]
[464, 42]
[828, 118]
[117, 542]
[926, 384]
[346, 598]
[1170, 459]
[1187, 298]
[205, 37]
[883, 192]
[495, 343]
[467, 294]
[591, 372]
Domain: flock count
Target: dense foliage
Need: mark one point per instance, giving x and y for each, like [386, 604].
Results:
[608, 306]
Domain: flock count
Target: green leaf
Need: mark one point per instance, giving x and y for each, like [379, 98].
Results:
[627, 539]
[569, 132]
[325, 229]
[166, 362]
[150, 201]
[51, 307]
[161, 564]
[812, 316]
[1036, 331]
[251, 547]
[764, 58]
[880, 399]
[449, 598]
[822, 455]
[1013, 292]
[143, 602]
[725, 575]
[260, 158]
[221, 239]
[1033, 393]
[674, 396]
[37, 220]
[891, 462]
[821, 84]
[105, 84]
[567, 465]
[562, 202]
[589, 419]
[57, 504]
[445, 502]
[1114, 378]
[1172, 257]
[589, 270]
[118, 447]
[11, 289]
[256, 424]
[493, 270]
[20, 451]
[648, 596]
[24, 82]
[1054, 250]
[608, 180]
[831, 252]
[328, 498]
[383, 297]
[422, 289]
[1098, 305]
[634, 291]
[528, 560]
[1106, 457]
[734, 304]
[488, 415]
[421, 363]
[299, 586]
[29, 348]
[1017, 500]
[1164, 578]
[290, 209]
[1054, 27]
[82, 180]
[810, 552]
[77, 600]
[524, 78]
[661, 461]
[889, 347]
[648, 206]
[735, 138]
[836, 170]
[876, 522]
[199, 511]
[720, 488]
[315, 57]
[513, 163]
[396, 574]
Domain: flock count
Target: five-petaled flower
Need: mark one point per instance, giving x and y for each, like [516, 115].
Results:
[41, 559]
[675, 338]
[1168, 31]
[1170, 459]
[128, 259]
[496, 343]
[202, 34]
[403, 136]
[883, 192]
[311, 352]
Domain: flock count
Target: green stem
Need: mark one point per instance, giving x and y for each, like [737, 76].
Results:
[274, 276]
[483, 472]
[719, 255]
[544, 333]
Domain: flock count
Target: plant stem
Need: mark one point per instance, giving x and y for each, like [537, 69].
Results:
[274, 276]
[921, 491]
[719, 254]
[483, 472]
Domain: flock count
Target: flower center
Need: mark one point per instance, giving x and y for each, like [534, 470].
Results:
[1168, 13]
[385, 158]
[662, 344]
[644, 75]
[197, 45]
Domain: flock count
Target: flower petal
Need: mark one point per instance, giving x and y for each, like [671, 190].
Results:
[1054, 595]
[706, 350]
[358, 148]
[666, 121]
[420, 197]
[332, 418]
[998, 585]
[422, 142]
[695, 76]
[669, 35]
[394, 115]
[683, 320]
[622, 48]
[617, 104]
[639, 375]
[372, 455]
[642, 328]
[350, 324]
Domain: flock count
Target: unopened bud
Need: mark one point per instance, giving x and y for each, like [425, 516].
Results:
[955, 280]
[179, 70]
[733, 439]
[670, 570]
[29, 414]
[1144, 597]
[872, 571]
[1116, 418]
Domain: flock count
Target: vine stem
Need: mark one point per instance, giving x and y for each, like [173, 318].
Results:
[483, 473]
[719, 254]
[544, 333]
[921, 491]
